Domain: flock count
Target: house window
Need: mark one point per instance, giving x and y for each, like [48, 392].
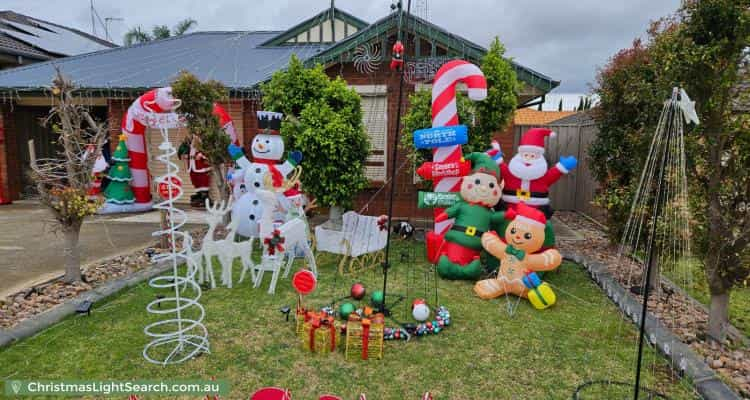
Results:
[375, 117]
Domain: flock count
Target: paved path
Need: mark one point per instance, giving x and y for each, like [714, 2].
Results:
[31, 253]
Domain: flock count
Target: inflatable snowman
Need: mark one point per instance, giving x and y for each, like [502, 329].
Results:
[267, 150]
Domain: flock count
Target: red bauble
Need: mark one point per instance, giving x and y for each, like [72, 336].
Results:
[164, 187]
[358, 291]
[304, 282]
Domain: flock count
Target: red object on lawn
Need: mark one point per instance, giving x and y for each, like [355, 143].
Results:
[304, 282]
[358, 291]
[272, 393]
[164, 188]
[434, 243]
[329, 397]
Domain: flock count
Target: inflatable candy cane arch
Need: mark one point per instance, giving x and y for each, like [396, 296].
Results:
[154, 109]
[445, 114]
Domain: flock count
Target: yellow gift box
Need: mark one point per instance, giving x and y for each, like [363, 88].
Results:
[542, 296]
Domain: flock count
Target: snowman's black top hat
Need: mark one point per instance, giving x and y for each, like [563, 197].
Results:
[269, 121]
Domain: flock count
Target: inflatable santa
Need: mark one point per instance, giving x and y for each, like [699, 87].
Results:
[527, 176]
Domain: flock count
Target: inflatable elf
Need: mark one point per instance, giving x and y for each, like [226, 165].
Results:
[473, 213]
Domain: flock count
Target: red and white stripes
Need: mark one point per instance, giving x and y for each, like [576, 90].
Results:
[139, 116]
[134, 124]
[445, 113]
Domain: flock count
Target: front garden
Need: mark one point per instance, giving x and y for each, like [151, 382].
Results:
[485, 353]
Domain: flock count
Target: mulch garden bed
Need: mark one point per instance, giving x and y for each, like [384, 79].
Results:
[680, 313]
[35, 300]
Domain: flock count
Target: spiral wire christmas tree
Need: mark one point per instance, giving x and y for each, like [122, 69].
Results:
[183, 337]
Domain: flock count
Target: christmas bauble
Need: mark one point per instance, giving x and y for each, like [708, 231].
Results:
[419, 310]
[358, 291]
[346, 309]
[169, 189]
[377, 297]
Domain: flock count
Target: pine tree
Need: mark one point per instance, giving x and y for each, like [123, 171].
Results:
[560, 106]
[580, 104]
[118, 191]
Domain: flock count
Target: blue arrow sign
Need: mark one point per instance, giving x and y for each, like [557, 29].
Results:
[441, 136]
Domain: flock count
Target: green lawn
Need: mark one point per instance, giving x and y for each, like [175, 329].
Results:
[485, 354]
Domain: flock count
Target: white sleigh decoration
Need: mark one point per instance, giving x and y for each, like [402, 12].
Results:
[360, 242]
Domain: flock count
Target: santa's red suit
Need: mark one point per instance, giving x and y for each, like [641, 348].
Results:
[199, 169]
[527, 178]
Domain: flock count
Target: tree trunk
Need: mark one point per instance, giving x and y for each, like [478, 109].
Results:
[335, 218]
[655, 278]
[72, 254]
[718, 317]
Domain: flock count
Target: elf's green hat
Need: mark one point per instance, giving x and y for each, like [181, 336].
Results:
[481, 162]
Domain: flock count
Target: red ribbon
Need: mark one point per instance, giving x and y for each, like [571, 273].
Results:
[365, 337]
[317, 322]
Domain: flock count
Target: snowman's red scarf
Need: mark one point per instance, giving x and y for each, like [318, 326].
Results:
[276, 177]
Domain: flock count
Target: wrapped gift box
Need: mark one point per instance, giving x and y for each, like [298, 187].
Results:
[319, 333]
[364, 337]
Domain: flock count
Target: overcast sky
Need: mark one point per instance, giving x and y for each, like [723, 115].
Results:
[564, 39]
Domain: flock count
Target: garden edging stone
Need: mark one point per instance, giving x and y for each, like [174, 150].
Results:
[44, 320]
[682, 358]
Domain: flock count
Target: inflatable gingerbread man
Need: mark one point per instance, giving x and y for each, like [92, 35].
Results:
[480, 191]
[521, 256]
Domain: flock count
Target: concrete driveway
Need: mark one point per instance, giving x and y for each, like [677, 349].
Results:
[30, 252]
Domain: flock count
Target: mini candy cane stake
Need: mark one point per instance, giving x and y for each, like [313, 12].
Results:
[445, 113]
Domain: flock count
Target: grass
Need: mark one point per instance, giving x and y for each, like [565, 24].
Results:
[486, 353]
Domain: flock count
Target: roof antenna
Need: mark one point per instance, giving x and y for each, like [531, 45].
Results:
[333, 25]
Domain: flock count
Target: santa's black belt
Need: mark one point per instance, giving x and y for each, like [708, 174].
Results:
[526, 193]
[467, 230]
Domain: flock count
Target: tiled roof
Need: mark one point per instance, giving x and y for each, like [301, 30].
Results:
[39, 39]
[577, 118]
[233, 58]
[531, 117]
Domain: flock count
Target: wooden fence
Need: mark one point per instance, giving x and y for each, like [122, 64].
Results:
[576, 190]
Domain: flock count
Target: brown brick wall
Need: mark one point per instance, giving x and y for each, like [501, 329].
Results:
[115, 110]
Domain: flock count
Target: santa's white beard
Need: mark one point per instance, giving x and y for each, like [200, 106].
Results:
[534, 170]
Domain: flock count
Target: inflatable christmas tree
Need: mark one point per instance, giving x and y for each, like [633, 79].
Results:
[118, 191]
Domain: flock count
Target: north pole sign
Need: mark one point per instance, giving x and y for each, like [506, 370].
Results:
[441, 136]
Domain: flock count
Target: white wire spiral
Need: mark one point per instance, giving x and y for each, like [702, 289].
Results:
[186, 337]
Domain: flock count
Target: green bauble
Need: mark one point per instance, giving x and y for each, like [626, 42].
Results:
[346, 309]
[377, 297]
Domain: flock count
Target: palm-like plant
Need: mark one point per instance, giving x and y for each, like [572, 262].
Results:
[138, 35]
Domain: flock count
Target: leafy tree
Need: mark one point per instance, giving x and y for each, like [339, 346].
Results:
[198, 99]
[629, 109]
[138, 35]
[323, 119]
[484, 118]
[701, 48]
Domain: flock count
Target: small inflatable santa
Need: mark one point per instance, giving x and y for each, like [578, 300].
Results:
[527, 176]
